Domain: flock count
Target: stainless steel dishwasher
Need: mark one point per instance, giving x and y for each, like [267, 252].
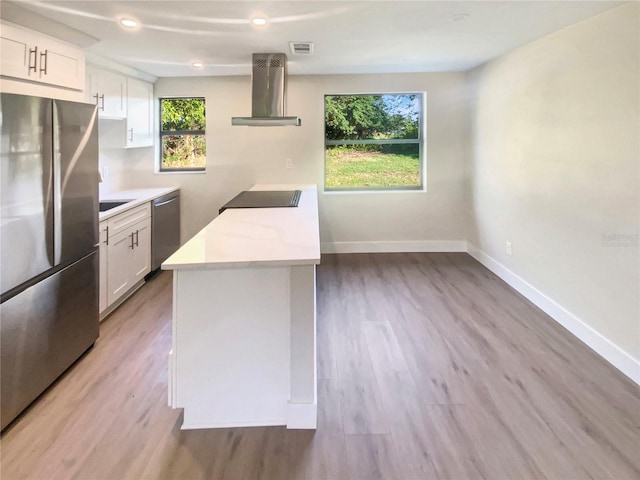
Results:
[165, 228]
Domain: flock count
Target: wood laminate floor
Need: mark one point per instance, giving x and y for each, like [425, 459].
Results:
[430, 367]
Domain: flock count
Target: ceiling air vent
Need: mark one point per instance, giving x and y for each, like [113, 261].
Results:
[301, 48]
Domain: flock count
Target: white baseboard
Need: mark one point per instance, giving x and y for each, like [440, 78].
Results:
[263, 423]
[302, 416]
[395, 247]
[593, 339]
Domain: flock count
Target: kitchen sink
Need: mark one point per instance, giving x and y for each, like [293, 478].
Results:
[104, 206]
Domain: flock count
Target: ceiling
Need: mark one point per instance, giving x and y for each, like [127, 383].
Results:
[349, 37]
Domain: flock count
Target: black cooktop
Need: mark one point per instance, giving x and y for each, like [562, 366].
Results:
[263, 199]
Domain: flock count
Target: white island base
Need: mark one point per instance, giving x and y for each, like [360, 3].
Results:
[244, 335]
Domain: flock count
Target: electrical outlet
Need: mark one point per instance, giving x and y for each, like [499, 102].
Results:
[509, 249]
[288, 163]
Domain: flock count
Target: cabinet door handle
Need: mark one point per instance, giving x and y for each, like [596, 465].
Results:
[45, 54]
[101, 102]
[137, 239]
[131, 246]
[131, 135]
[33, 67]
[106, 229]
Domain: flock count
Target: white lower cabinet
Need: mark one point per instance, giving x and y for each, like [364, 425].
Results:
[141, 254]
[127, 258]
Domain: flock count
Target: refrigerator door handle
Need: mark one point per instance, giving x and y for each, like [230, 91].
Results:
[57, 188]
[47, 175]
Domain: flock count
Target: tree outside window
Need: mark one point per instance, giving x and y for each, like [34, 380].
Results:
[374, 142]
[182, 134]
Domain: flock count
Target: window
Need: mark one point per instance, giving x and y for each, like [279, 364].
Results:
[182, 134]
[374, 142]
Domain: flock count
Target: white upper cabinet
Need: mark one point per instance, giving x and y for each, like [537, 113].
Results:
[139, 113]
[107, 90]
[27, 55]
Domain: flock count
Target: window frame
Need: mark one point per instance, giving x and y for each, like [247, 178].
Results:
[420, 141]
[164, 133]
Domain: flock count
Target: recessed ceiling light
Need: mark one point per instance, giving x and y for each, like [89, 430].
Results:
[259, 21]
[128, 22]
[197, 65]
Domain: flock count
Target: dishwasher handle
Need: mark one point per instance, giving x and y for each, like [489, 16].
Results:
[164, 203]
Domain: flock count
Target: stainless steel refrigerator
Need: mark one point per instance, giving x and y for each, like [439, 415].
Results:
[48, 243]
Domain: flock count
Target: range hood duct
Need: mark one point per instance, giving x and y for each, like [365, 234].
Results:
[269, 82]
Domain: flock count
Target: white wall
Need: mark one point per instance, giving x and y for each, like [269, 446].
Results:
[238, 157]
[539, 147]
[555, 169]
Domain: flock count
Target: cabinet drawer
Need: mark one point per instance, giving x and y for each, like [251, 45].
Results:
[128, 218]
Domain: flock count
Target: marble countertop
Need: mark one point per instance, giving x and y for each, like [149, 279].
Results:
[137, 197]
[245, 237]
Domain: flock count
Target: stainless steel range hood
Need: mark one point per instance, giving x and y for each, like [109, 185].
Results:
[269, 82]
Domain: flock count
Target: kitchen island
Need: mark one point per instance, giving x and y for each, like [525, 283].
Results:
[244, 312]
